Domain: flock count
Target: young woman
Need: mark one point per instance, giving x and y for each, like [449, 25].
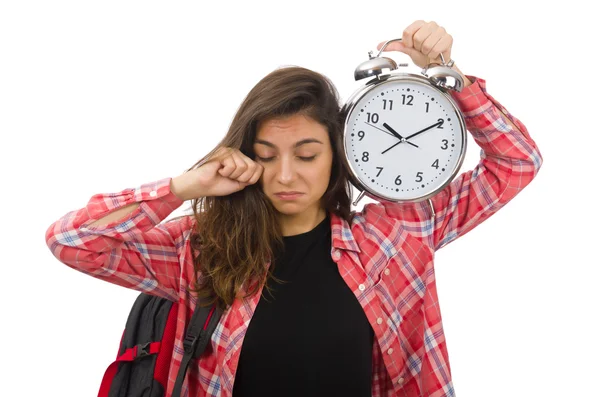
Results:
[319, 300]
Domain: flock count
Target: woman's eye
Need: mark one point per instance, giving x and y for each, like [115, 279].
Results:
[267, 159]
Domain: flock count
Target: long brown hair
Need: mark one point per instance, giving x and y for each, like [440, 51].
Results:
[237, 235]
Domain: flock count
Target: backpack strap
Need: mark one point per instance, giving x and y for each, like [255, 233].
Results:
[201, 326]
[131, 354]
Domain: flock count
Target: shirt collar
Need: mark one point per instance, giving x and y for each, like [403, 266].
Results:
[341, 234]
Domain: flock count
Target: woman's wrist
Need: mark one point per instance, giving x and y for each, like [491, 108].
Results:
[176, 188]
[466, 81]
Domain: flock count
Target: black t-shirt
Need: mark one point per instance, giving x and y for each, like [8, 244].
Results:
[311, 336]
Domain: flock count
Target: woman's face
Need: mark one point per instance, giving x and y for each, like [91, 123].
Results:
[297, 156]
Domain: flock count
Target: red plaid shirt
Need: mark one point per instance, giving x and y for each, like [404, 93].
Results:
[385, 256]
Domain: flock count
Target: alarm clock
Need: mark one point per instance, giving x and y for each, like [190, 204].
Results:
[404, 136]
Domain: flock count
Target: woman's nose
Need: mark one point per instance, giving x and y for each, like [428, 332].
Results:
[285, 171]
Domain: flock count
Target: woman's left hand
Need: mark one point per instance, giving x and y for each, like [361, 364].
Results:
[423, 42]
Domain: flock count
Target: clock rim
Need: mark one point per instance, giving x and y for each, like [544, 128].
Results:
[370, 85]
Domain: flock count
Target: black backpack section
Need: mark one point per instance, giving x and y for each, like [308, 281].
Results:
[142, 365]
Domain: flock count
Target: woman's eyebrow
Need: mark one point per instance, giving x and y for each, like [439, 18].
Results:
[299, 143]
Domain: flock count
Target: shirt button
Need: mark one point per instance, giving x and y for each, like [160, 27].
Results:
[387, 272]
[336, 254]
[153, 193]
[361, 287]
[400, 380]
[379, 320]
[390, 350]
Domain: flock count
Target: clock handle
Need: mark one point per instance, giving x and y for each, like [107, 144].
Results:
[436, 73]
[449, 64]
[385, 45]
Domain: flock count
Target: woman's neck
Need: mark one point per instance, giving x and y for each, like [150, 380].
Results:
[292, 225]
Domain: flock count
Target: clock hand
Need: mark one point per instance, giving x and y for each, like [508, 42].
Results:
[374, 126]
[425, 129]
[413, 135]
[393, 146]
[402, 139]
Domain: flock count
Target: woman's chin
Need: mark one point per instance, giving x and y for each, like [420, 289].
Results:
[289, 208]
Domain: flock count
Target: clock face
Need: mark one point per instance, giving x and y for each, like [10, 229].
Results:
[404, 139]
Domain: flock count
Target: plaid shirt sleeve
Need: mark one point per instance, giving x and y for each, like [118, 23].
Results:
[136, 252]
[509, 161]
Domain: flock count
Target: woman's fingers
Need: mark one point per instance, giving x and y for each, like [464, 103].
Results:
[239, 167]
[442, 47]
[249, 176]
[409, 32]
[430, 42]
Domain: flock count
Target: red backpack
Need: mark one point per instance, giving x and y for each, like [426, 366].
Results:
[142, 364]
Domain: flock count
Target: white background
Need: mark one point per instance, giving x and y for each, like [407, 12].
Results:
[96, 97]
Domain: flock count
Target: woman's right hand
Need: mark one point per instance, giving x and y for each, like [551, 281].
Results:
[226, 172]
